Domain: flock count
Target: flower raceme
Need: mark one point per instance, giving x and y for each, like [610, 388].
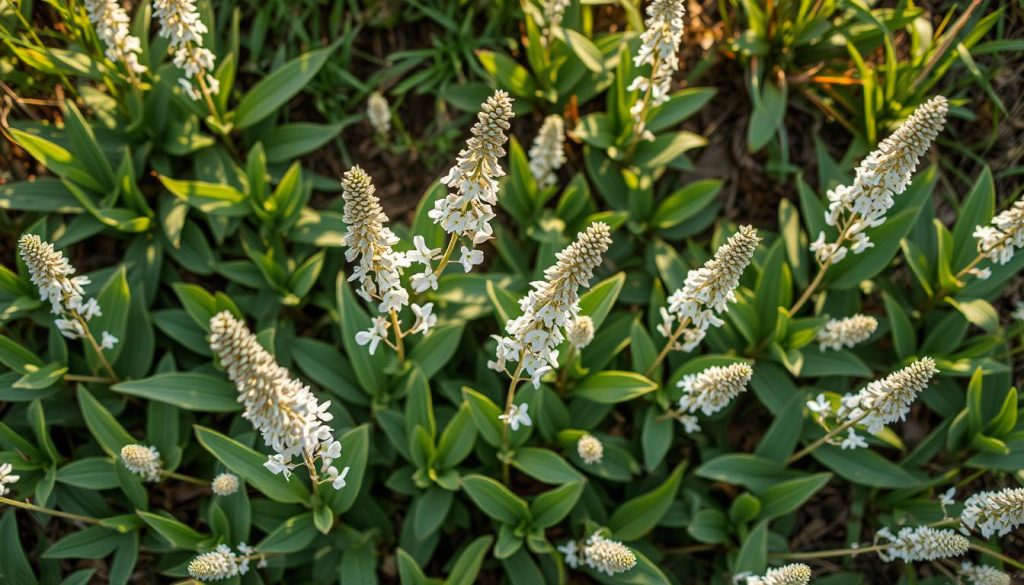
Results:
[181, 26]
[659, 48]
[793, 574]
[882, 175]
[222, 563]
[142, 461]
[552, 305]
[921, 544]
[1000, 240]
[994, 513]
[547, 154]
[290, 418]
[972, 574]
[54, 276]
[846, 332]
[467, 209]
[378, 113]
[888, 400]
[225, 484]
[708, 290]
[710, 391]
[7, 478]
[599, 553]
[111, 24]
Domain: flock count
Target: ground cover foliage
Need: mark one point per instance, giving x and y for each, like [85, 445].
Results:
[511, 292]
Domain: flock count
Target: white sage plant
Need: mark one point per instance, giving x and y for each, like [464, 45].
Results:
[468, 209]
[284, 410]
[659, 49]
[709, 391]
[847, 332]
[54, 276]
[533, 338]
[922, 543]
[547, 154]
[181, 26]
[112, 29]
[994, 512]
[378, 270]
[707, 292]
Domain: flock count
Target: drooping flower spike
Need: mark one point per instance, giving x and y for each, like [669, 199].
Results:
[1002, 238]
[552, 305]
[284, 410]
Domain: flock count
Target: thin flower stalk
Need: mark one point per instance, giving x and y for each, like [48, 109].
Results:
[707, 292]
[881, 176]
[54, 276]
[659, 49]
[467, 210]
[284, 410]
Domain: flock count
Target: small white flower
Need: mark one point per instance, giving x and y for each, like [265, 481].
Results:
[277, 464]
[994, 512]
[7, 478]
[112, 28]
[374, 335]
[948, 498]
[470, 258]
[572, 554]
[846, 332]
[1018, 312]
[142, 461]
[853, 441]
[422, 253]
[108, 341]
[580, 332]
[225, 484]
[590, 449]
[689, 422]
[516, 416]
[425, 318]
[181, 25]
[820, 406]
[1000, 240]
[337, 479]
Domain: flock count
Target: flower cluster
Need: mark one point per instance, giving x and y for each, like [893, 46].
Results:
[590, 449]
[580, 332]
[547, 154]
[290, 418]
[846, 332]
[468, 210]
[708, 290]
[552, 305]
[972, 574]
[7, 478]
[223, 563]
[378, 113]
[792, 574]
[888, 400]
[883, 174]
[180, 24]
[994, 512]
[517, 416]
[111, 22]
[659, 48]
[599, 553]
[999, 240]
[142, 461]
[710, 390]
[920, 544]
[225, 484]
[554, 11]
[52, 274]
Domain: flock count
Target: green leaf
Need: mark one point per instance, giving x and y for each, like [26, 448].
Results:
[786, 497]
[864, 467]
[467, 565]
[637, 517]
[274, 90]
[409, 571]
[768, 114]
[188, 390]
[611, 387]
[248, 464]
[14, 565]
[177, 533]
[212, 198]
[510, 75]
[93, 473]
[685, 203]
[108, 432]
[57, 159]
[978, 208]
[18, 358]
[42, 378]
[115, 298]
[599, 300]
[429, 511]
[709, 526]
[544, 465]
[92, 543]
[293, 535]
[457, 439]
[290, 141]
[496, 500]
[369, 369]
[753, 555]
[584, 49]
[485, 416]
[433, 352]
[552, 506]
[355, 453]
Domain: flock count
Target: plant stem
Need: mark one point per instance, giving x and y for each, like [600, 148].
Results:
[563, 374]
[822, 554]
[95, 346]
[634, 139]
[50, 511]
[827, 437]
[668, 347]
[821, 271]
[454, 239]
[185, 478]
[997, 555]
[399, 345]
[81, 378]
[509, 398]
